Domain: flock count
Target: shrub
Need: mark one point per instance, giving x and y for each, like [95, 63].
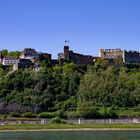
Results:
[72, 114]
[57, 119]
[29, 115]
[60, 113]
[5, 116]
[88, 112]
[42, 115]
[15, 114]
[107, 113]
[47, 114]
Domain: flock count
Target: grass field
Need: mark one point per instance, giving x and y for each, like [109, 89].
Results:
[68, 126]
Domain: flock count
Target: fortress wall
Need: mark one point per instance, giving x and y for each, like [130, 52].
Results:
[131, 57]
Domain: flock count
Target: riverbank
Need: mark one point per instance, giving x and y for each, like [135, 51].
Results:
[66, 130]
[68, 127]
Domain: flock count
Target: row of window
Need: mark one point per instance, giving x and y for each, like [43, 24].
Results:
[10, 60]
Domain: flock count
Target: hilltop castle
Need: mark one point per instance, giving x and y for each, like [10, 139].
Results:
[75, 57]
[127, 56]
[30, 57]
[110, 54]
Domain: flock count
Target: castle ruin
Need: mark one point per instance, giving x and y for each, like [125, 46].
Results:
[127, 56]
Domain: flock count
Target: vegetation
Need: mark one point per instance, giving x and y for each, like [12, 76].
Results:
[69, 126]
[100, 90]
[57, 119]
[5, 53]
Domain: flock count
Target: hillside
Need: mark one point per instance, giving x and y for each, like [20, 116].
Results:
[95, 91]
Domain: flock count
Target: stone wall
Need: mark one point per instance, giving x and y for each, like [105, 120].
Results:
[128, 56]
[111, 53]
[80, 58]
[76, 57]
[131, 57]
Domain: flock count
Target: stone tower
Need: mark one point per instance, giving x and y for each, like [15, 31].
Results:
[66, 50]
[101, 53]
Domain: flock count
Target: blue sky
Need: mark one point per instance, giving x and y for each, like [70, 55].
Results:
[88, 24]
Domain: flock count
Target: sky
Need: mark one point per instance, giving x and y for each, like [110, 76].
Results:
[89, 25]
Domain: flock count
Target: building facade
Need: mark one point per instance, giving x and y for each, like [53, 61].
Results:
[25, 63]
[45, 56]
[131, 56]
[29, 53]
[127, 56]
[111, 53]
[10, 61]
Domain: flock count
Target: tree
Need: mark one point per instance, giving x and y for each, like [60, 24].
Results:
[4, 53]
[14, 53]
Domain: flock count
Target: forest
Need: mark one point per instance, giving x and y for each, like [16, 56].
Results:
[100, 90]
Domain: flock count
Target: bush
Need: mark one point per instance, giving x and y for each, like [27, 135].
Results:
[88, 112]
[72, 114]
[60, 113]
[29, 115]
[5, 116]
[128, 113]
[43, 115]
[107, 113]
[57, 119]
[15, 114]
[47, 114]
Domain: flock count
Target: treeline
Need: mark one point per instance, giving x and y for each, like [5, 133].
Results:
[71, 91]
[6, 53]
